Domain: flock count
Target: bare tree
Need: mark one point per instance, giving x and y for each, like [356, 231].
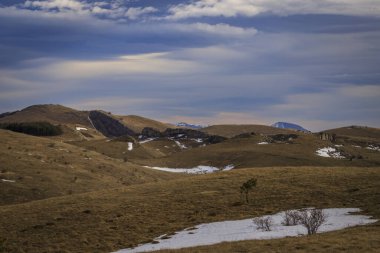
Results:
[263, 223]
[312, 219]
[247, 187]
[291, 218]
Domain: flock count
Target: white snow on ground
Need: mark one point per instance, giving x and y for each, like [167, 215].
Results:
[147, 140]
[329, 152]
[228, 231]
[263, 143]
[338, 146]
[81, 128]
[199, 140]
[180, 145]
[355, 146]
[9, 181]
[201, 169]
[229, 167]
[130, 146]
[373, 147]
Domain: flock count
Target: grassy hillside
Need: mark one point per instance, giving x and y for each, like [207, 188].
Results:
[233, 130]
[43, 168]
[246, 152]
[107, 220]
[66, 118]
[138, 123]
[55, 114]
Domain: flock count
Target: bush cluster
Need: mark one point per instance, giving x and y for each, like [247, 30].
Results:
[33, 128]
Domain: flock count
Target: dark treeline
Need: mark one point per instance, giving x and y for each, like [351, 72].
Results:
[33, 128]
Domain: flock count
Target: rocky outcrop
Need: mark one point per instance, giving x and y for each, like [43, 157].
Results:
[189, 133]
[181, 133]
[108, 125]
[283, 137]
[149, 132]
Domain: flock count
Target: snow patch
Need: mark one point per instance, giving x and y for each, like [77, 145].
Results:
[130, 146]
[329, 152]
[147, 140]
[373, 147]
[238, 230]
[201, 169]
[81, 128]
[8, 181]
[180, 145]
[263, 143]
[199, 140]
[229, 167]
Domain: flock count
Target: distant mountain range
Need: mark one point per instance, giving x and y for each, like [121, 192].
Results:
[286, 125]
[184, 124]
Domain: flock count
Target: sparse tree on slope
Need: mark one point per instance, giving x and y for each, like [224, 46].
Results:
[247, 187]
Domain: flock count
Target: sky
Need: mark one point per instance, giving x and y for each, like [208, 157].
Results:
[311, 62]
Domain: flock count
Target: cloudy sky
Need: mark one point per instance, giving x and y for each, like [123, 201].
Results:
[311, 62]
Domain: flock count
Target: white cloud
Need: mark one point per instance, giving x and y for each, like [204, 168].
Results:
[154, 63]
[249, 8]
[113, 10]
[134, 13]
[56, 4]
[218, 29]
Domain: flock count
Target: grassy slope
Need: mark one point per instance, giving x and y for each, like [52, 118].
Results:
[45, 168]
[112, 219]
[245, 152]
[138, 123]
[55, 114]
[68, 118]
[233, 130]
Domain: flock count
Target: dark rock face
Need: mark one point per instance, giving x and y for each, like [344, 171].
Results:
[181, 133]
[283, 137]
[149, 132]
[245, 135]
[109, 126]
[189, 133]
[213, 139]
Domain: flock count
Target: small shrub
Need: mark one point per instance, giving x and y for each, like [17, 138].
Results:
[312, 219]
[263, 223]
[33, 128]
[291, 218]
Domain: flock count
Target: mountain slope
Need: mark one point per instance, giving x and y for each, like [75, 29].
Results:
[55, 114]
[138, 123]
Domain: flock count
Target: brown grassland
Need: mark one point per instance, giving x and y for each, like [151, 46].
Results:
[82, 192]
[102, 221]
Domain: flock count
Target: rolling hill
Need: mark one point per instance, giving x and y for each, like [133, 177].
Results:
[89, 190]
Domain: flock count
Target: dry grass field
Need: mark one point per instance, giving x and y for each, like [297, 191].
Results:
[246, 152]
[43, 168]
[102, 221]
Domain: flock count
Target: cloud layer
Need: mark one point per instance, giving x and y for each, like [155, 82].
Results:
[229, 61]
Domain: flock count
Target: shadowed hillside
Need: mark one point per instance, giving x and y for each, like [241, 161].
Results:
[233, 130]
